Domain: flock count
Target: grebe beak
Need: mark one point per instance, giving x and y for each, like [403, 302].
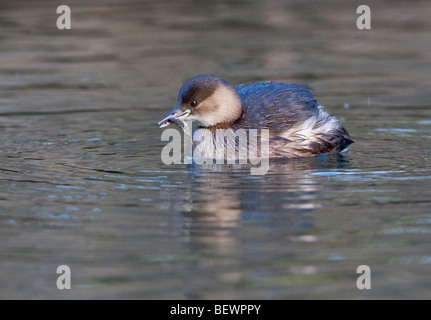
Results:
[174, 116]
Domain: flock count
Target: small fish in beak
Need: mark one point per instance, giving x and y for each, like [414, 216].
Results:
[173, 117]
[179, 119]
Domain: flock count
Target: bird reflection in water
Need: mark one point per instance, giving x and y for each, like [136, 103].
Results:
[223, 210]
[220, 198]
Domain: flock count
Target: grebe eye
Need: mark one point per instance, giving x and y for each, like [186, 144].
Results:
[193, 103]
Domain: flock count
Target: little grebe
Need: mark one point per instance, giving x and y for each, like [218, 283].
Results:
[298, 126]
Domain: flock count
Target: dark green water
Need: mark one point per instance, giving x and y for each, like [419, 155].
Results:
[82, 183]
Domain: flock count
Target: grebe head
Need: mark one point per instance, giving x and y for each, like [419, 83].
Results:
[206, 100]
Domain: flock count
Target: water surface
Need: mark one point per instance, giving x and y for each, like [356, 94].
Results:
[82, 183]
